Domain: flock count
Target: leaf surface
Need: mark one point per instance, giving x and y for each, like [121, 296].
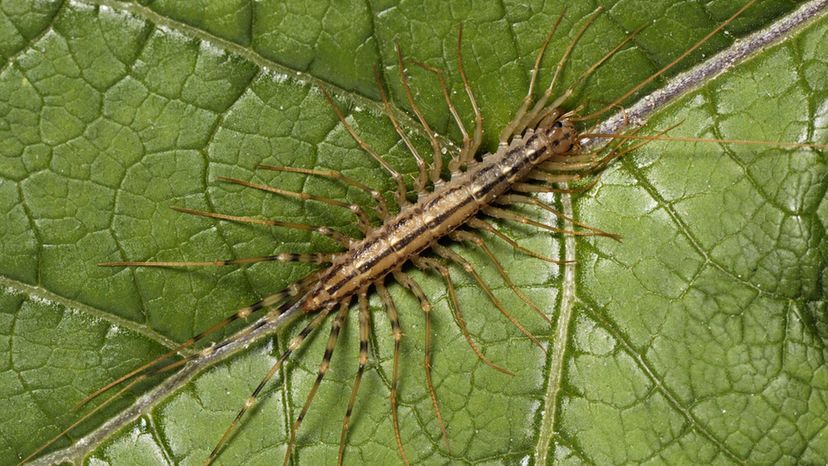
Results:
[700, 338]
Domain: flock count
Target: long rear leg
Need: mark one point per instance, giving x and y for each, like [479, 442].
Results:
[411, 285]
[336, 327]
[364, 330]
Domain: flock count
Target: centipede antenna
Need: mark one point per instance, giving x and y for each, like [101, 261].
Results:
[254, 396]
[749, 142]
[336, 327]
[411, 285]
[364, 329]
[393, 318]
[452, 256]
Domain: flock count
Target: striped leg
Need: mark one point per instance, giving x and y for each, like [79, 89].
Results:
[507, 215]
[254, 396]
[437, 154]
[477, 138]
[511, 199]
[470, 237]
[382, 206]
[427, 263]
[364, 329]
[482, 225]
[364, 222]
[452, 256]
[395, 175]
[343, 240]
[336, 326]
[411, 285]
[393, 317]
[308, 258]
[422, 170]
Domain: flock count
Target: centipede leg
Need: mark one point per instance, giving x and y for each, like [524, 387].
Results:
[395, 175]
[482, 225]
[512, 199]
[508, 215]
[460, 235]
[422, 170]
[411, 285]
[431, 264]
[477, 138]
[364, 222]
[308, 258]
[336, 327]
[452, 256]
[382, 205]
[510, 129]
[343, 240]
[437, 155]
[364, 330]
[251, 401]
[393, 317]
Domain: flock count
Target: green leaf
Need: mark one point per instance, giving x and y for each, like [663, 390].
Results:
[700, 338]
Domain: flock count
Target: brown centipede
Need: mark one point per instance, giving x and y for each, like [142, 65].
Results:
[541, 135]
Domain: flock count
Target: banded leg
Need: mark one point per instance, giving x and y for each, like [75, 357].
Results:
[511, 129]
[364, 330]
[395, 175]
[511, 199]
[281, 301]
[460, 235]
[343, 240]
[382, 206]
[411, 285]
[540, 105]
[336, 326]
[308, 258]
[456, 162]
[507, 215]
[364, 222]
[540, 188]
[437, 154]
[396, 331]
[425, 263]
[468, 156]
[422, 171]
[254, 396]
[452, 256]
[482, 225]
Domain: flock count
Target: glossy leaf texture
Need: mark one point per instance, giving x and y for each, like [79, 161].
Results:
[698, 339]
